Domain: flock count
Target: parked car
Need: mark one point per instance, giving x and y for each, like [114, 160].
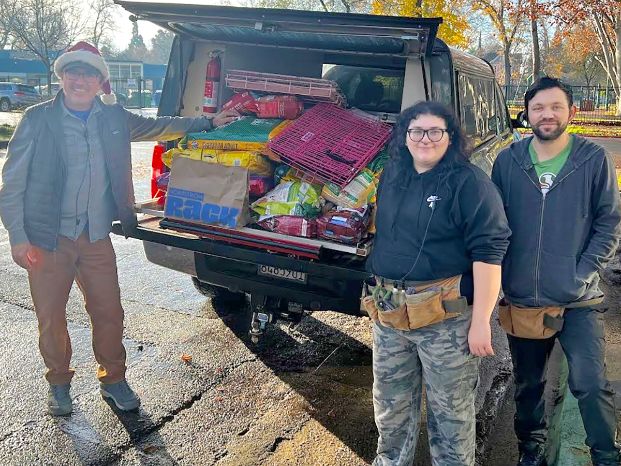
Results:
[14, 95]
[383, 64]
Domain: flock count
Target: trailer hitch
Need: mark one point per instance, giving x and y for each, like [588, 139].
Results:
[268, 309]
[261, 316]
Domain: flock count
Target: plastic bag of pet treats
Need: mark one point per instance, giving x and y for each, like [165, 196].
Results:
[260, 185]
[357, 192]
[291, 225]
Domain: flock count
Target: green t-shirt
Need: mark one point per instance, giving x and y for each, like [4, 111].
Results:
[547, 171]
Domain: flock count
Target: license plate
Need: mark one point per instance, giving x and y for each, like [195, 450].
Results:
[286, 274]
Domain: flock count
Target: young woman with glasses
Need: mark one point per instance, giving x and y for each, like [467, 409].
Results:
[441, 236]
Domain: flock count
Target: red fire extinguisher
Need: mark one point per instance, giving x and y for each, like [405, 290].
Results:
[212, 83]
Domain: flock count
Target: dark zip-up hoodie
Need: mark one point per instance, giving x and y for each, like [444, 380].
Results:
[561, 240]
[466, 224]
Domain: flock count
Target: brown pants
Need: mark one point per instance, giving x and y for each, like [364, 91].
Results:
[93, 267]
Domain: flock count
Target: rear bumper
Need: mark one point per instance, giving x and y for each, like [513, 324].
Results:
[170, 257]
[330, 286]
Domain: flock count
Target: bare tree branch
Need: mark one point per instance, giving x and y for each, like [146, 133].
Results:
[507, 17]
[103, 20]
[44, 27]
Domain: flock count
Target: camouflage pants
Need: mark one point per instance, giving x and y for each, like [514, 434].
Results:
[438, 356]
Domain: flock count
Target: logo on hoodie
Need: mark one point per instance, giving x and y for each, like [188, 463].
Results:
[432, 200]
[545, 181]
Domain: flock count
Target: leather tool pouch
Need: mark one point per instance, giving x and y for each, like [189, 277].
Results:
[433, 302]
[530, 322]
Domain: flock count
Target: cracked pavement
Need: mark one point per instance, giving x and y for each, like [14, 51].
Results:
[302, 396]
[232, 404]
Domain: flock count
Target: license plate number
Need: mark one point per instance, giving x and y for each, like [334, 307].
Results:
[285, 274]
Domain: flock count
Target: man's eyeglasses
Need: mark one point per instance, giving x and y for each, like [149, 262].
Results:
[434, 134]
[76, 74]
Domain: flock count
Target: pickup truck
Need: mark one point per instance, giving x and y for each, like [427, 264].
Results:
[283, 276]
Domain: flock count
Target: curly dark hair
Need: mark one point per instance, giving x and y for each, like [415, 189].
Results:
[458, 150]
[547, 82]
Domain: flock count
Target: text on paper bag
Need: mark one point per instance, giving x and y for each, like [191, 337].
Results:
[189, 205]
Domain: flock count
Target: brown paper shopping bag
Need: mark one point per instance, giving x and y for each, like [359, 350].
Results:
[207, 193]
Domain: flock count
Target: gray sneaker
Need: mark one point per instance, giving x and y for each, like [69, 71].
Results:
[121, 394]
[59, 400]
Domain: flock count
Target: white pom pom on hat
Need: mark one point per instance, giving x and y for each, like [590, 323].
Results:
[89, 54]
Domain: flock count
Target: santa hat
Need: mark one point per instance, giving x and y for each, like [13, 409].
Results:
[84, 52]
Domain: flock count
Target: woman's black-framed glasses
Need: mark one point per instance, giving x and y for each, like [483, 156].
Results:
[433, 134]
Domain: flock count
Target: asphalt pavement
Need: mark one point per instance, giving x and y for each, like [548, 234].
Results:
[300, 397]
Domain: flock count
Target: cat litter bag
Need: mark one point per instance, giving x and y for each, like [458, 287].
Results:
[290, 198]
[256, 163]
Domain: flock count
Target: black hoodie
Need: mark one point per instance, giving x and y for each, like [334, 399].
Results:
[561, 240]
[454, 208]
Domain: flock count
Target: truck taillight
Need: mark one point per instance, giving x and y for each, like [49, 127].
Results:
[158, 168]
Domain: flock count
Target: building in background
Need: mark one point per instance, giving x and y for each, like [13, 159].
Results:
[134, 82]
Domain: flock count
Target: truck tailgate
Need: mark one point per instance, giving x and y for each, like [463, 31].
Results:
[261, 239]
[149, 229]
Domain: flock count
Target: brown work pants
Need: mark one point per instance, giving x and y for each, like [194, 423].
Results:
[93, 267]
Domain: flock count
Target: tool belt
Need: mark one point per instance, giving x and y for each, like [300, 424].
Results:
[412, 305]
[535, 322]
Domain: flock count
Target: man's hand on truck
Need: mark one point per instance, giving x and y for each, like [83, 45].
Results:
[225, 117]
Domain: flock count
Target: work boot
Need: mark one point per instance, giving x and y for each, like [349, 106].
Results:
[121, 394]
[533, 456]
[607, 459]
[59, 400]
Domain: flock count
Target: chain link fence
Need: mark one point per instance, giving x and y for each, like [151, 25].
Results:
[596, 104]
[135, 92]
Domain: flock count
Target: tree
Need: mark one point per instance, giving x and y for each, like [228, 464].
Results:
[5, 37]
[136, 41]
[604, 16]
[507, 17]
[161, 45]
[533, 14]
[44, 27]
[136, 50]
[345, 6]
[103, 23]
[575, 56]
[608, 27]
[454, 27]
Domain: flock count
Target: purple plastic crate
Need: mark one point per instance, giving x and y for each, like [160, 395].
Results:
[331, 143]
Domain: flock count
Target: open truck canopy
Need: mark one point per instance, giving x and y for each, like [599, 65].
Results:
[365, 34]
[285, 275]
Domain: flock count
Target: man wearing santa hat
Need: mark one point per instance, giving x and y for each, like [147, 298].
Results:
[67, 177]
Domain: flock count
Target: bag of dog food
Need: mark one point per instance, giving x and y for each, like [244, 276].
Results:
[344, 225]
